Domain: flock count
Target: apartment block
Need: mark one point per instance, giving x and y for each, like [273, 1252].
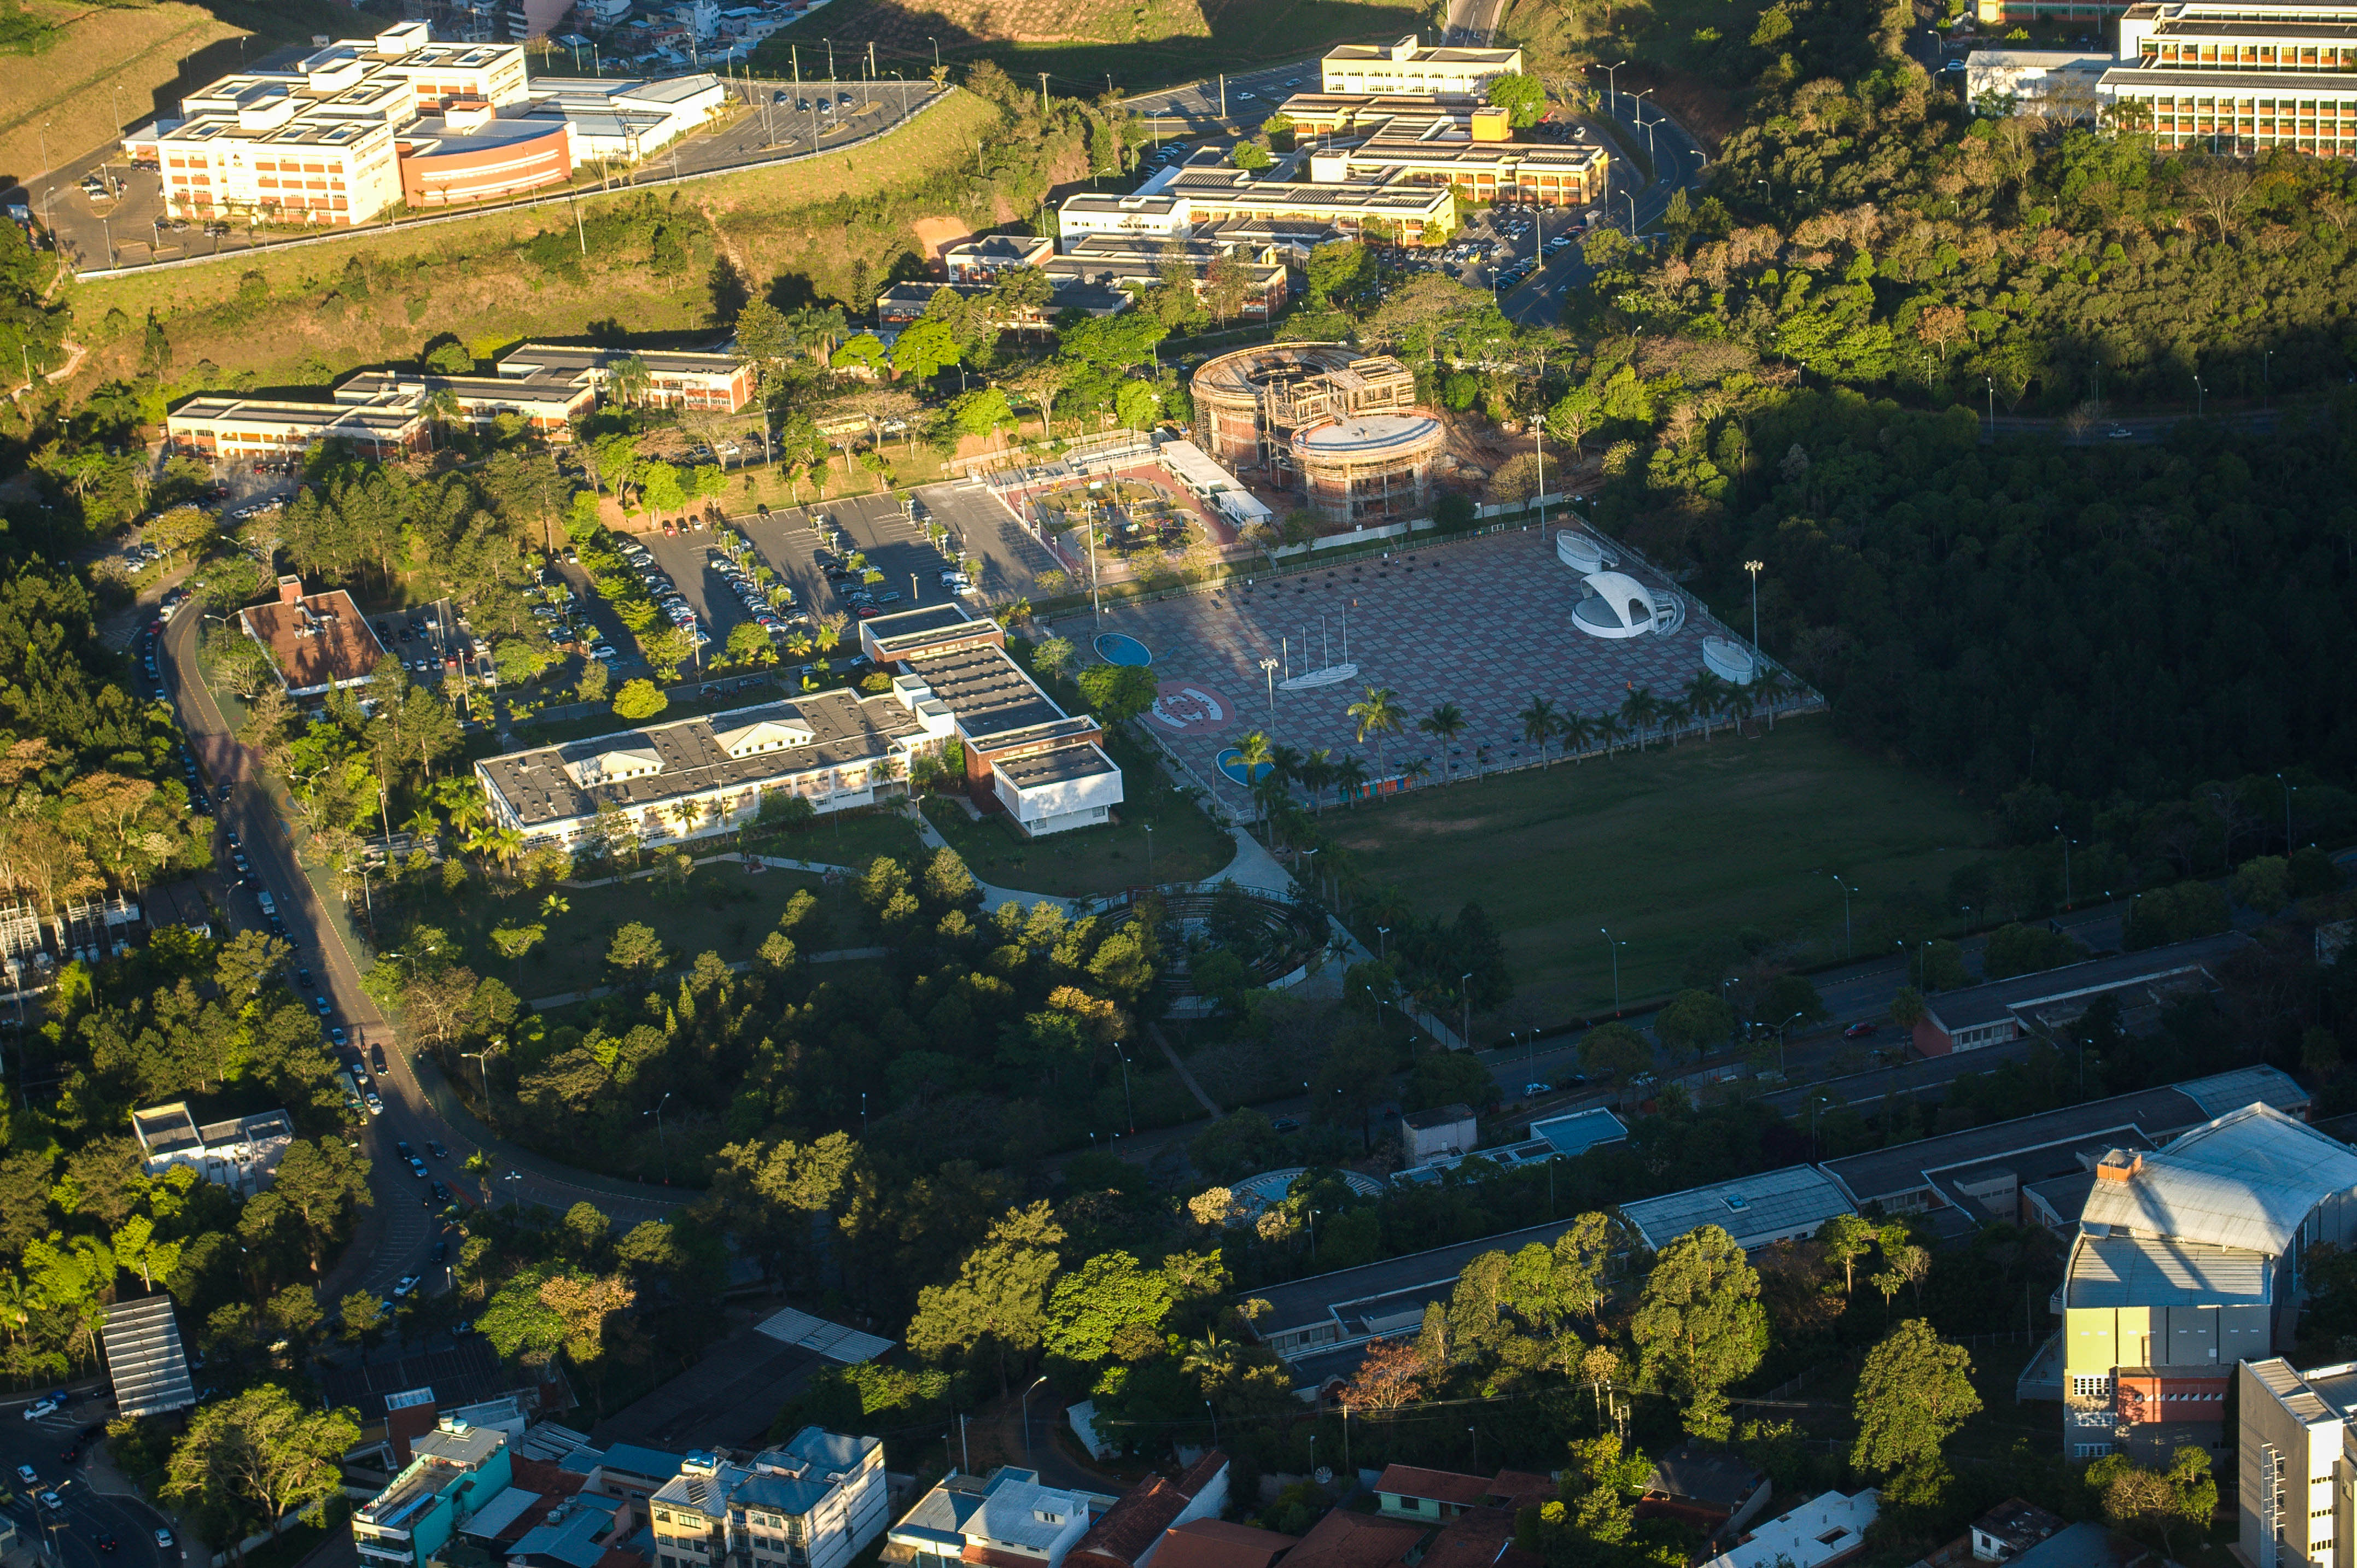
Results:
[457, 1468]
[813, 1502]
[1432, 140]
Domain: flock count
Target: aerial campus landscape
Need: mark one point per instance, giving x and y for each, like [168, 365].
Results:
[1508, 784]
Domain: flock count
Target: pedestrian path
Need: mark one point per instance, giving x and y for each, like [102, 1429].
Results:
[992, 896]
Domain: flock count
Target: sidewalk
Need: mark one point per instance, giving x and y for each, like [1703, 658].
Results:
[992, 896]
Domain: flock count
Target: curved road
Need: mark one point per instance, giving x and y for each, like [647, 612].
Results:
[396, 1236]
[1679, 163]
[89, 1514]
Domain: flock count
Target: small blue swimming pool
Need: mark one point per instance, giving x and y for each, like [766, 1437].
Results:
[1232, 763]
[1120, 648]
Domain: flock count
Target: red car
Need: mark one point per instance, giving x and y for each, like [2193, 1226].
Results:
[1858, 1031]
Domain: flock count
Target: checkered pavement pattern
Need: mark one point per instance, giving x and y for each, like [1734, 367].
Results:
[1485, 623]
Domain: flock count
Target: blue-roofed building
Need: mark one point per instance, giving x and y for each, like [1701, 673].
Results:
[624, 1471]
[1575, 1134]
[814, 1501]
[456, 1469]
[573, 1535]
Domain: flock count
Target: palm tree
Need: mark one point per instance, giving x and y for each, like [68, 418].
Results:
[1705, 694]
[1376, 713]
[1739, 703]
[1315, 771]
[1417, 770]
[1349, 778]
[1577, 730]
[555, 904]
[1673, 717]
[1770, 690]
[1284, 762]
[462, 798]
[1640, 708]
[422, 824]
[1539, 725]
[1253, 755]
[1609, 729]
[1445, 724]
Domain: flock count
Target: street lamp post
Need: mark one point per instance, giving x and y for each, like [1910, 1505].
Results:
[1755, 568]
[1268, 668]
[2067, 843]
[1464, 997]
[1126, 1102]
[2288, 790]
[659, 1139]
[1027, 1411]
[1614, 947]
[1612, 86]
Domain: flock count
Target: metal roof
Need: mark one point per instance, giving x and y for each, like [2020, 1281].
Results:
[142, 1342]
[500, 1512]
[832, 1340]
[2148, 1271]
[1581, 1131]
[2248, 1179]
[1754, 1209]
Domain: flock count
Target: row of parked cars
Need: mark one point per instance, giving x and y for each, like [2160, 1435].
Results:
[663, 590]
[777, 620]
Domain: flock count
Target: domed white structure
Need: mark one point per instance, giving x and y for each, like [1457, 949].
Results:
[1620, 607]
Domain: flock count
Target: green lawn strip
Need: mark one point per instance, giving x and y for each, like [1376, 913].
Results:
[1668, 849]
[721, 911]
[1090, 862]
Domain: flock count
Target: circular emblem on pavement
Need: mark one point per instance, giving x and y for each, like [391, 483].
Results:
[1183, 705]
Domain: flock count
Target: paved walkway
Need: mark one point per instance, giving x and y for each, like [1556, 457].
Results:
[992, 896]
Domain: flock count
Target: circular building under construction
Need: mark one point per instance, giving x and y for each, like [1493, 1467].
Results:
[1337, 427]
[1367, 468]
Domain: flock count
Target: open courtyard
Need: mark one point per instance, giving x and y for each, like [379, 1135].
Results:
[1484, 624]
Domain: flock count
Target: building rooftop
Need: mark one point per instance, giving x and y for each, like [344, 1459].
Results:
[743, 747]
[1442, 1485]
[143, 1358]
[1439, 1116]
[361, 422]
[2001, 999]
[318, 641]
[1347, 1539]
[2087, 1544]
[1076, 760]
[1364, 434]
[1219, 1543]
[1388, 1297]
[1754, 1209]
[1714, 1479]
[2014, 1526]
[1889, 1173]
[988, 692]
[1820, 1531]
[1132, 1527]
[1581, 1131]
[2143, 1271]
[2248, 1179]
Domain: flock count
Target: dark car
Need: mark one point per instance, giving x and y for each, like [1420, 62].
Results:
[1286, 1124]
[436, 1150]
[441, 1192]
[402, 1148]
[69, 1454]
[442, 1252]
[376, 1060]
[303, 976]
[106, 1543]
[323, 1006]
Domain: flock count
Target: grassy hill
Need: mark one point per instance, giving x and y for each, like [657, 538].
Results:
[663, 264]
[66, 64]
[1139, 44]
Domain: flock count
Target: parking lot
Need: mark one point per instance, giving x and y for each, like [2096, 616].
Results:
[1252, 98]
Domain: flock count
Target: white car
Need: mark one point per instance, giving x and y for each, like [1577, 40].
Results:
[164, 1541]
[375, 1106]
[27, 1475]
[402, 1286]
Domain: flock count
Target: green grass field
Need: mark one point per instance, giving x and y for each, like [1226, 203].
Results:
[721, 909]
[1669, 850]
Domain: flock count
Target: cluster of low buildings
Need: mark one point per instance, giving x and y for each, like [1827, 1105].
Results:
[2216, 75]
[389, 413]
[358, 125]
[952, 679]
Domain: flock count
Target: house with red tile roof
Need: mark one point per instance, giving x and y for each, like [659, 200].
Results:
[1434, 1497]
[1217, 1544]
[1347, 1539]
[1131, 1531]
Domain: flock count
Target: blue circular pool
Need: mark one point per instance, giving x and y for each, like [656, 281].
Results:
[1120, 648]
[1232, 763]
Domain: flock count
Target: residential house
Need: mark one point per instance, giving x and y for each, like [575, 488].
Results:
[1006, 1518]
[1718, 1491]
[2010, 1528]
[1222, 1544]
[1824, 1530]
[1132, 1530]
[1434, 1497]
[241, 1154]
[1446, 1130]
[1347, 1539]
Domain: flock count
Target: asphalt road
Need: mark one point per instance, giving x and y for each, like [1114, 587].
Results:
[1195, 108]
[89, 1514]
[396, 1235]
[1679, 163]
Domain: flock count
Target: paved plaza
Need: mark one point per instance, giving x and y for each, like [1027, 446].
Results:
[1485, 623]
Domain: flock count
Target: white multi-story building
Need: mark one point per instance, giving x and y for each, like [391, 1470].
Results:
[2238, 78]
[1408, 66]
[814, 1502]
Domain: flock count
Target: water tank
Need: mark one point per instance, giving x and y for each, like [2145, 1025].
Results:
[1582, 552]
[1730, 660]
